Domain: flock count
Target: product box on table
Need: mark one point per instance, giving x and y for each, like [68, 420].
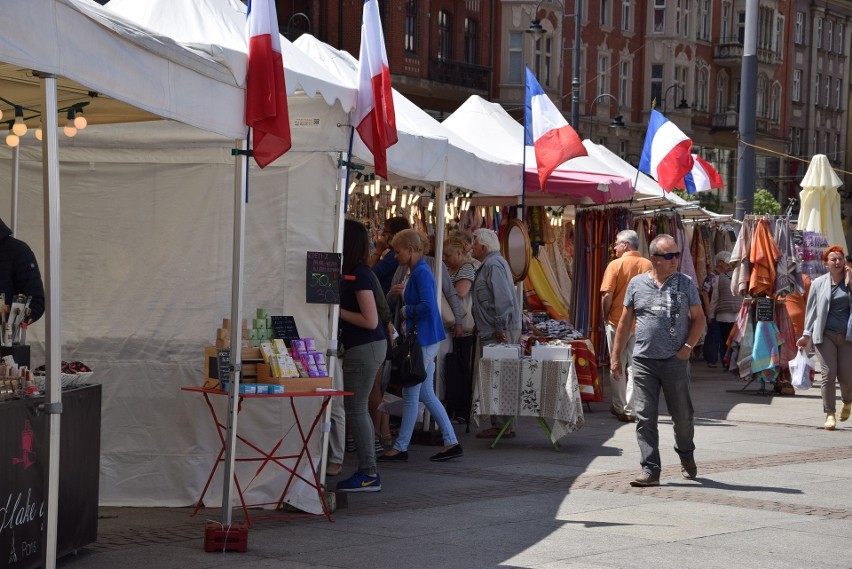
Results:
[547, 352]
[297, 384]
[502, 352]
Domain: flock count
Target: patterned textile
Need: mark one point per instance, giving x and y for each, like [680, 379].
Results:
[765, 356]
[529, 387]
[764, 256]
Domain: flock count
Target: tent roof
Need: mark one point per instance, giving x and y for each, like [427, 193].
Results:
[218, 27]
[91, 49]
[489, 125]
[426, 150]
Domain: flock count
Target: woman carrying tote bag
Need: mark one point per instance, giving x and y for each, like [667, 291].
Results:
[420, 301]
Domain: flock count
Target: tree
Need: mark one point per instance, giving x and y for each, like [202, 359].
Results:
[765, 203]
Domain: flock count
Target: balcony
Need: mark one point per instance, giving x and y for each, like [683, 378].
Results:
[470, 76]
[725, 121]
[729, 52]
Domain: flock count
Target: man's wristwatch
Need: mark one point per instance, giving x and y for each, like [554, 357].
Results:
[685, 345]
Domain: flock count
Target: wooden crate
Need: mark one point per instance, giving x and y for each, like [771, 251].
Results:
[299, 384]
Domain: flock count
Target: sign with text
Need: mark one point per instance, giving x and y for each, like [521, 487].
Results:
[765, 309]
[322, 279]
[223, 366]
[284, 327]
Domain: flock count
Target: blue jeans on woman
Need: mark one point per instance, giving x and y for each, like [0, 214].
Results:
[424, 392]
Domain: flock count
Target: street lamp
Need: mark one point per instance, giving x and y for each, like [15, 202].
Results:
[537, 30]
[617, 121]
[682, 106]
[290, 21]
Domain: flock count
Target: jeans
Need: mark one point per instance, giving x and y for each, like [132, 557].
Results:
[424, 392]
[360, 365]
[712, 345]
[672, 375]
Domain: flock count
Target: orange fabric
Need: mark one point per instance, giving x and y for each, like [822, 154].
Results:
[764, 255]
[795, 304]
[616, 276]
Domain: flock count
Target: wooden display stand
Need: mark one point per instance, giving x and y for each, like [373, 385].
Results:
[256, 371]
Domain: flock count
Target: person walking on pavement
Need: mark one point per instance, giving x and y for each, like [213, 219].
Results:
[826, 322]
[723, 311]
[628, 263]
[664, 306]
[496, 308]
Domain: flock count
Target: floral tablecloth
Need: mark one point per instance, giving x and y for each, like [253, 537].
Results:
[529, 387]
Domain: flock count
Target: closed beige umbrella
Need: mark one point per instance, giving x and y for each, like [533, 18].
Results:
[820, 202]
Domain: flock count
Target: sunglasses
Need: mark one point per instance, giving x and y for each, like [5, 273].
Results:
[668, 256]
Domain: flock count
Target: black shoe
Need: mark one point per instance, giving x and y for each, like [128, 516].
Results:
[688, 468]
[398, 457]
[454, 451]
[646, 479]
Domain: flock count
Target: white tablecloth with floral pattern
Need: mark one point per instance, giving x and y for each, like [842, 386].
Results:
[529, 387]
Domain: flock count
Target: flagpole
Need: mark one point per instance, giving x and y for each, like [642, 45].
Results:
[524, 159]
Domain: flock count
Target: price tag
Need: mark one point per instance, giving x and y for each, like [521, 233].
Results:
[765, 309]
[284, 327]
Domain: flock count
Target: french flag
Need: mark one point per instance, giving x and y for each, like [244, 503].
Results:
[266, 93]
[547, 130]
[703, 177]
[374, 114]
[667, 154]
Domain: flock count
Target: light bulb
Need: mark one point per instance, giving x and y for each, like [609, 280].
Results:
[19, 127]
[351, 188]
[393, 194]
[70, 131]
[1, 114]
[80, 121]
[38, 133]
[12, 139]
[429, 209]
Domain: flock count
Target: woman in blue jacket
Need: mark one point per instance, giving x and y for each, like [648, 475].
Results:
[420, 303]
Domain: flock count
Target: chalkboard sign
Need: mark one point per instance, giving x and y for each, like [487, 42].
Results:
[765, 309]
[322, 280]
[798, 237]
[223, 366]
[284, 327]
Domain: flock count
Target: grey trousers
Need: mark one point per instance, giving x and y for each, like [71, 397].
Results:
[835, 358]
[672, 376]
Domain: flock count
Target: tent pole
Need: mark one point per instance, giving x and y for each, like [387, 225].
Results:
[334, 312]
[240, 195]
[53, 290]
[16, 162]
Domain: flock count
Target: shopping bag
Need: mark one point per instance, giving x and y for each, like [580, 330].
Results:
[802, 371]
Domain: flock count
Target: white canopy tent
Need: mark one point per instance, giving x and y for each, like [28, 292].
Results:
[96, 52]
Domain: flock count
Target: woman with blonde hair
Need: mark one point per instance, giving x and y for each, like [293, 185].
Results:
[420, 308]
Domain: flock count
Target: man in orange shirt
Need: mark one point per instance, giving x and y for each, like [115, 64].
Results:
[628, 263]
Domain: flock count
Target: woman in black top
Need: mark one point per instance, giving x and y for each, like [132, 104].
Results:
[364, 347]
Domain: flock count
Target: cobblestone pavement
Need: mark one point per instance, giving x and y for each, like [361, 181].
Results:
[494, 484]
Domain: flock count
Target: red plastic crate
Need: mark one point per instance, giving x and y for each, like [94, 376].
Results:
[220, 538]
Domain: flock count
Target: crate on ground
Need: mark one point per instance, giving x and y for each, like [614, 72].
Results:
[220, 538]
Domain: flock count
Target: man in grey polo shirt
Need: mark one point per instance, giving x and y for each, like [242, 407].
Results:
[666, 309]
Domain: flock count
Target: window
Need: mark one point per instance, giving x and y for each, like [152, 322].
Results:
[659, 16]
[624, 84]
[606, 13]
[410, 39]
[741, 27]
[775, 103]
[765, 26]
[603, 74]
[516, 58]
[685, 18]
[836, 146]
[623, 147]
[817, 85]
[837, 93]
[681, 79]
[548, 50]
[761, 106]
[626, 15]
[471, 41]
[701, 84]
[797, 85]
[778, 37]
[819, 35]
[799, 30]
[537, 58]
[797, 142]
[721, 92]
[726, 22]
[678, 16]
[656, 84]
[814, 142]
[704, 20]
[829, 35]
[841, 37]
[445, 35]
[825, 143]
[827, 101]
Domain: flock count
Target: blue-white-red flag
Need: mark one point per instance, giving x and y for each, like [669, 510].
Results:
[667, 154]
[266, 93]
[703, 177]
[547, 130]
[375, 120]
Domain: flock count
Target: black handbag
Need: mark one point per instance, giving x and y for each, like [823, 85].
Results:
[407, 366]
